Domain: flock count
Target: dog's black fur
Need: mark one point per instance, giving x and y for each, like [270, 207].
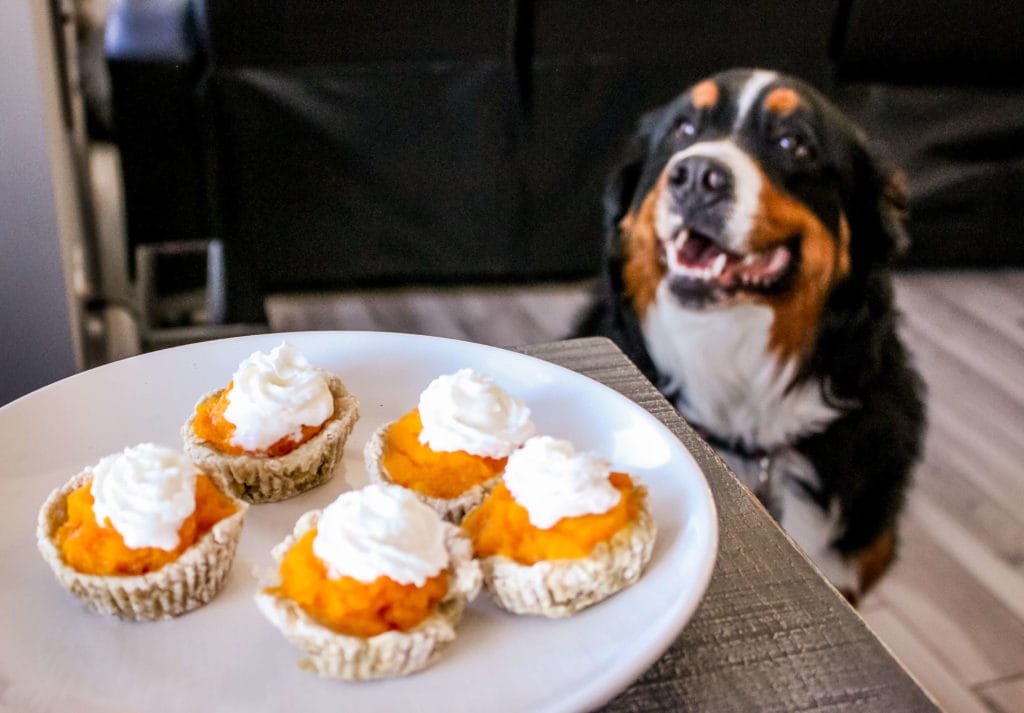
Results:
[863, 458]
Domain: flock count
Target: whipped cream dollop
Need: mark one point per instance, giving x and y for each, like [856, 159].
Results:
[147, 491]
[467, 411]
[274, 395]
[381, 530]
[552, 481]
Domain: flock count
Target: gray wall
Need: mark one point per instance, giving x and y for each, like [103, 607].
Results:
[36, 338]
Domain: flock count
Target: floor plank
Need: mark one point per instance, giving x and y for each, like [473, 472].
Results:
[499, 316]
[983, 459]
[972, 420]
[1002, 580]
[956, 388]
[992, 356]
[960, 620]
[996, 523]
[917, 658]
[1004, 696]
[1013, 280]
[981, 296]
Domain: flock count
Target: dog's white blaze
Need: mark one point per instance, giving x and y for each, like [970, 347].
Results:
[734, 385]
[751, 90]
[746, 200]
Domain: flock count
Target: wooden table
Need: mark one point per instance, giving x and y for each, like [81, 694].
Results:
[771, 634]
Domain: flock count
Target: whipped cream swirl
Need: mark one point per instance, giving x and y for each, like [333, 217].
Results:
[467, 411]
[274, 395]
[381, 530]
[147, 491]
[548, 478]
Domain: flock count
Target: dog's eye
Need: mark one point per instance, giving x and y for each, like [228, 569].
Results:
[685, 128]
[795, 144]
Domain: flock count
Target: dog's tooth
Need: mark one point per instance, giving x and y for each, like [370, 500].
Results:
[719, 265]
[749, 259]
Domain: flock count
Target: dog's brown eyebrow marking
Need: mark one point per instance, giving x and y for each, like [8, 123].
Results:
[705, 94]
[782, 101]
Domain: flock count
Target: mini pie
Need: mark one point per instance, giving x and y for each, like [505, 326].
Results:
[386, 635]
[452, 483]
[287, 467]
[559, 570]
[452, 448]
[95, 565]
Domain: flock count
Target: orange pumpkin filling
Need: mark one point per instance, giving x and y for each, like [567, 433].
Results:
[437, 474]
[93, 548]
[211, 425]
[349, 606]
[501, 526]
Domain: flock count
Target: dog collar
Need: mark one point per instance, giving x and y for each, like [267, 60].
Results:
[723, 444]
[755, 468]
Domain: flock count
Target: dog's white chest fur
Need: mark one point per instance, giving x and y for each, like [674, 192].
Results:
[729, 382]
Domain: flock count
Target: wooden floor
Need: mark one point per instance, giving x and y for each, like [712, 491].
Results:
[953, 607]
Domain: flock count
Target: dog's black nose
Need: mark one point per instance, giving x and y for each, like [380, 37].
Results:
[701, 178]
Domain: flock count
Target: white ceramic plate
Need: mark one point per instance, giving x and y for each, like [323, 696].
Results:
[54, 655]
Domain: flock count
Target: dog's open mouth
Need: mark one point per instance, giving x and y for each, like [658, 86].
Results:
[697, 263]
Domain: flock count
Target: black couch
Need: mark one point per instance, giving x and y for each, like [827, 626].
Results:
[330, 144]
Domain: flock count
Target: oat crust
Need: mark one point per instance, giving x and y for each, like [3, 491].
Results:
[265, 479]
[454, 510]
[180, 586]
[393, 653]
[560, 588]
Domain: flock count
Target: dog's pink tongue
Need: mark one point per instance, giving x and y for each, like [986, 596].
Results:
[758, 268]
[697, 251]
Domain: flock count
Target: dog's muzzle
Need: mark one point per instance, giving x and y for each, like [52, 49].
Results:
[705, 217]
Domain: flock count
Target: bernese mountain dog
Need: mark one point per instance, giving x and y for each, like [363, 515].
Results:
[750, 233]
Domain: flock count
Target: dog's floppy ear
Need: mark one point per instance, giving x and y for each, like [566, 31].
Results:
[878, 218]
[611, 314]
[621, 185]
[860, 309]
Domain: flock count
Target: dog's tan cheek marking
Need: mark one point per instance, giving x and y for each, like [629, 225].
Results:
[798, 309]
[782, 101]
[643, 271]
[704, 94]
